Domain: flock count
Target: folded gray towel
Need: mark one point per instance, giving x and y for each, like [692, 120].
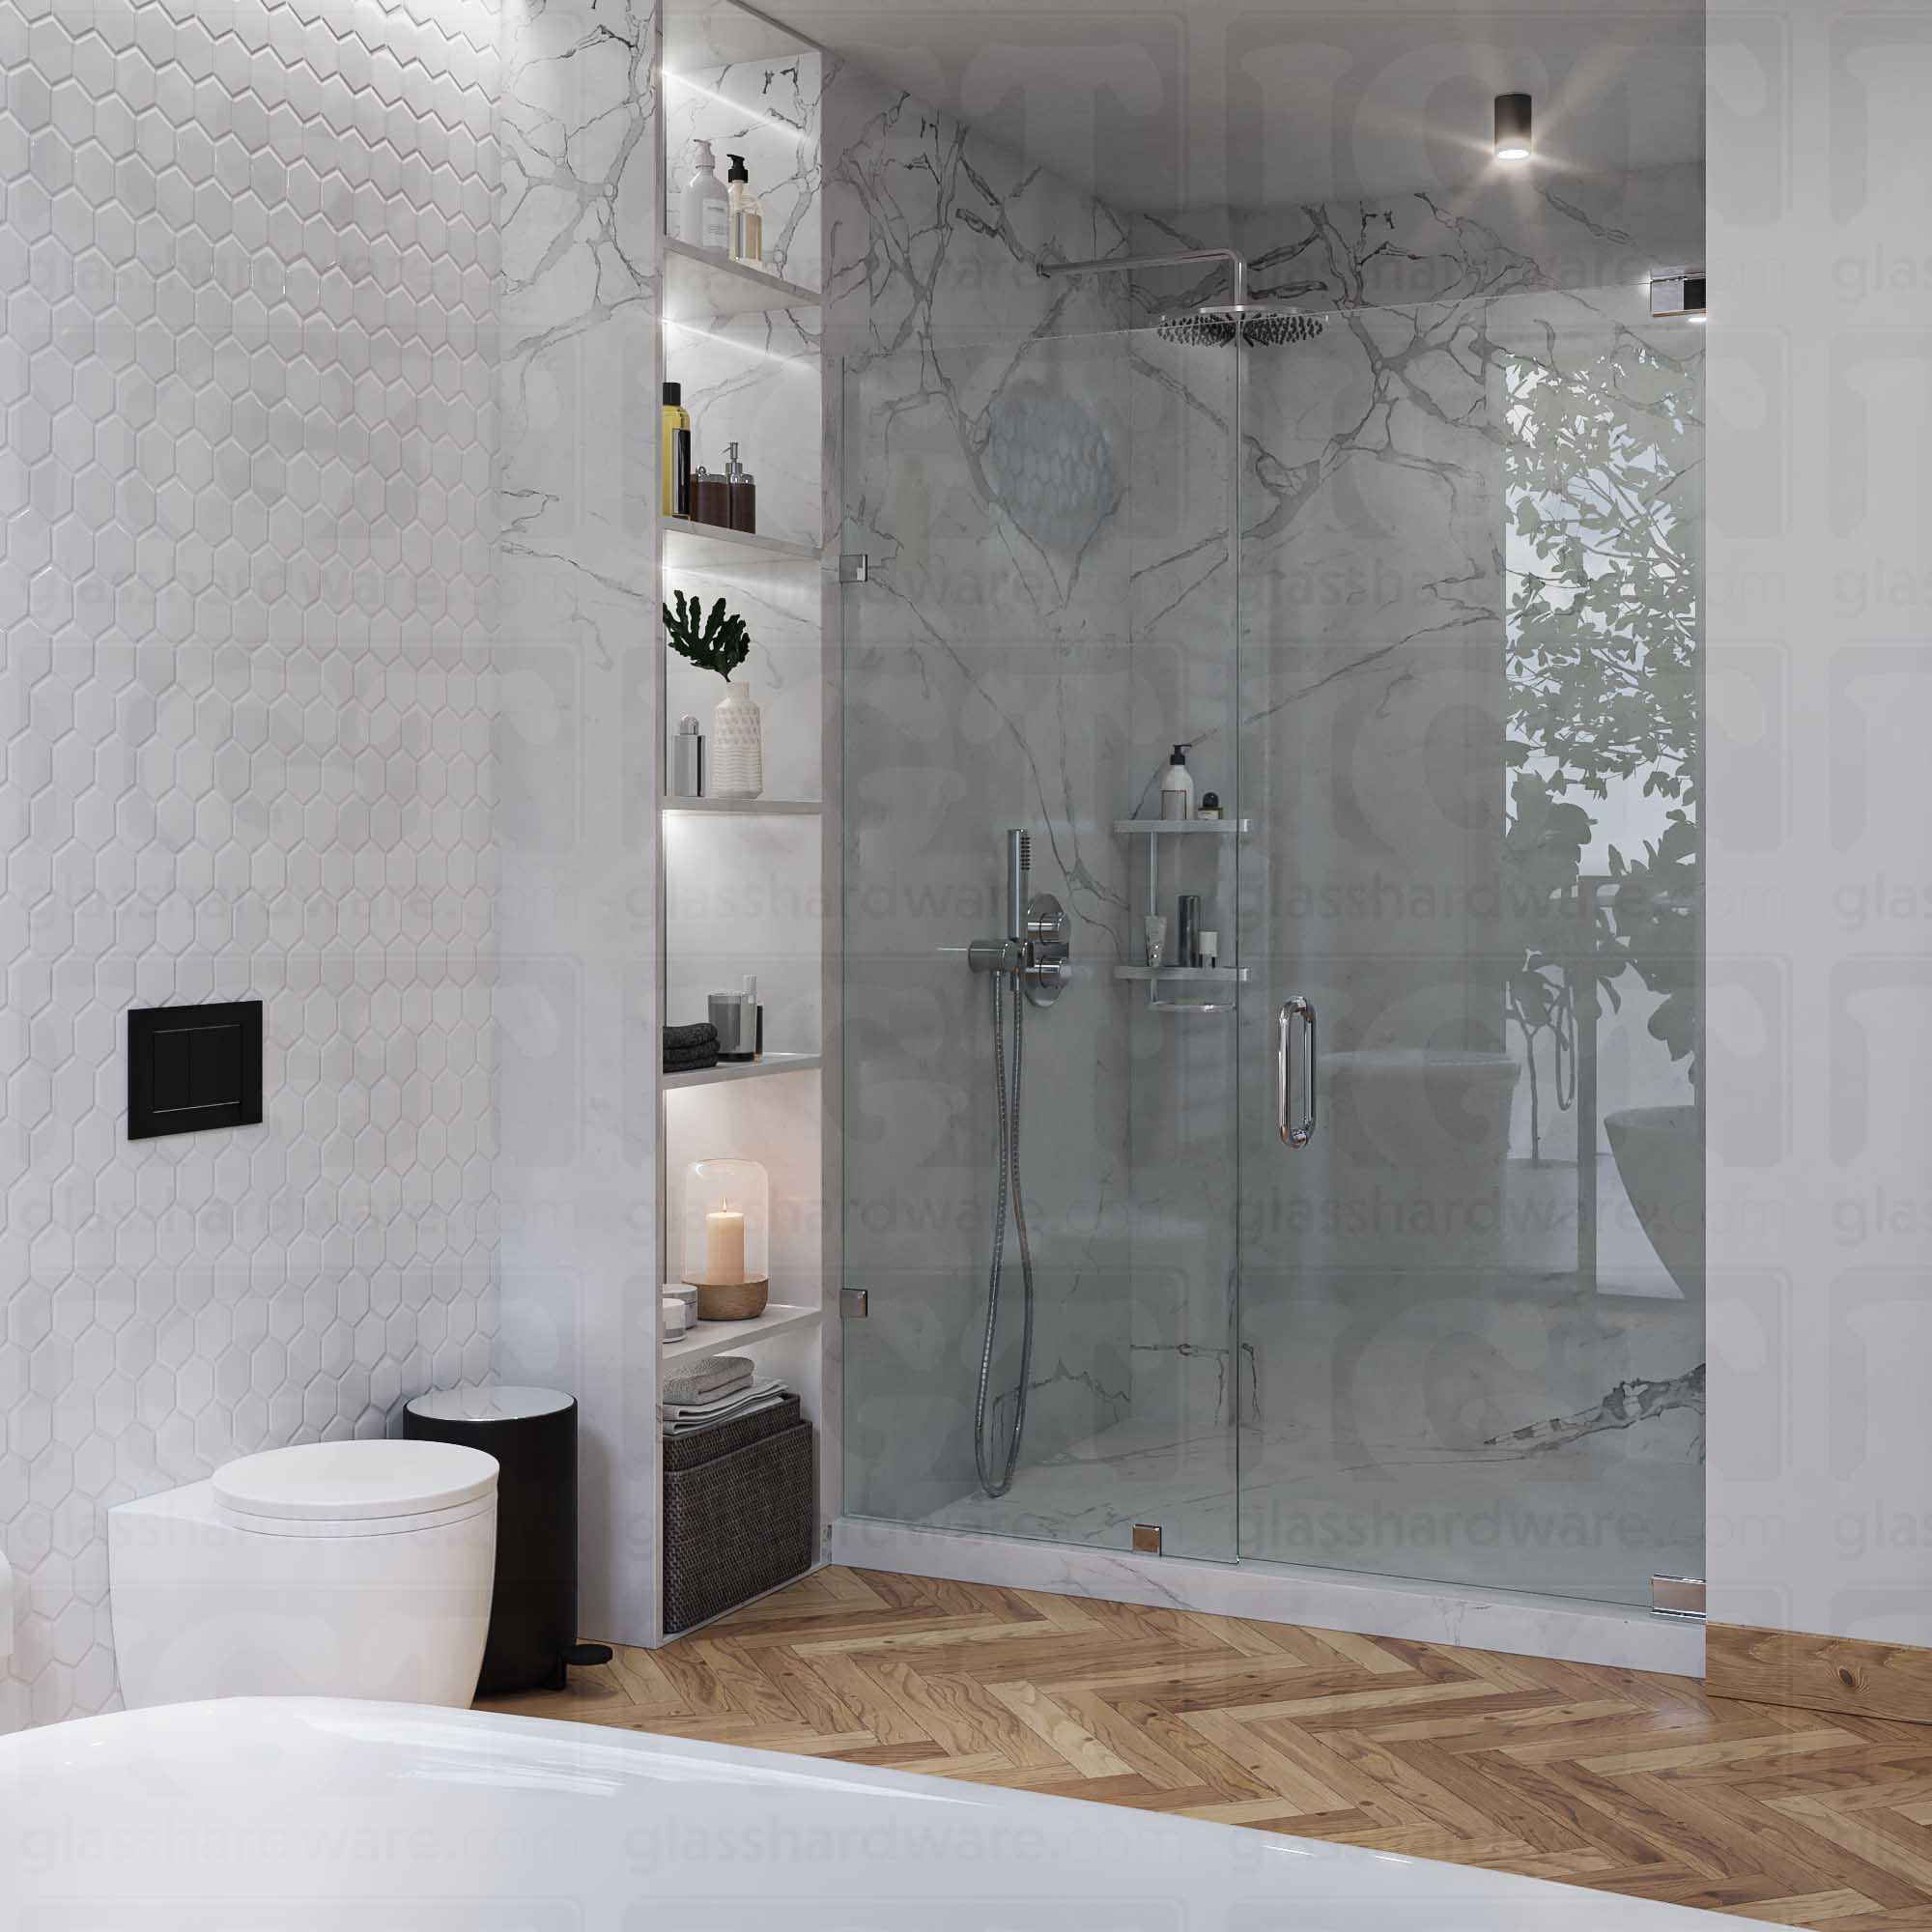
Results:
[721, 1403]
[714, 1407]
[750, 1406]
[709, 1377]
[702, 1033]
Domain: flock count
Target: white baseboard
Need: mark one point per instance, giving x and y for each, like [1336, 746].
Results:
[1526, 1626]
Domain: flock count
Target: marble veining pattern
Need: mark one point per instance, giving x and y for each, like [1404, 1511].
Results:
[1508, 235]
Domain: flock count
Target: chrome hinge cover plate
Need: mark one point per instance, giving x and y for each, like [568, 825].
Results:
[1679, 1597]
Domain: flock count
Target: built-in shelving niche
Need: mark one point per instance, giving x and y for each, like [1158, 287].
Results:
[747, 882]
[745, 342]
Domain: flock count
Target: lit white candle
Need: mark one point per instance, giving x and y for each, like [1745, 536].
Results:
[725, 1249]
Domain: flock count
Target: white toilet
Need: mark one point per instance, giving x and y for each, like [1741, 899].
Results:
[334, 1569]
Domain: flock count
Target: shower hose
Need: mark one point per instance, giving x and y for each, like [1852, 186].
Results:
[1008, 1188]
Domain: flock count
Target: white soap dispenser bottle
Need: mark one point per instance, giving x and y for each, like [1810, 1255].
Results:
[704, 211]
[1176, 786]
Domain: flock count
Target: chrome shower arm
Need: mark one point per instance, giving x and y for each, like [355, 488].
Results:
[1122, 265]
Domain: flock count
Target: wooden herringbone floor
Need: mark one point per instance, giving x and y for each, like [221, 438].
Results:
[1602, 1777]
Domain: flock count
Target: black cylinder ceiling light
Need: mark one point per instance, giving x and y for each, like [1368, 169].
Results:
[1512, 126]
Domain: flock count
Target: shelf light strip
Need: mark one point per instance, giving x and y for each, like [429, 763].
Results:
[806, 362]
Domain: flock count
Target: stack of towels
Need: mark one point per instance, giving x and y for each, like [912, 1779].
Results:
[688, 1049]
[721, 1389]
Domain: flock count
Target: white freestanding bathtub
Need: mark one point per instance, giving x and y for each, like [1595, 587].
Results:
[334, 1816]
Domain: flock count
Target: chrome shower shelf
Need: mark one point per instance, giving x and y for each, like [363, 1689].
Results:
[1152, 975]
[1177, 828]
[1218, 855]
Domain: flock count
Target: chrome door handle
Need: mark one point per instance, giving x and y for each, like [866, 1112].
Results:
[1295, 1135]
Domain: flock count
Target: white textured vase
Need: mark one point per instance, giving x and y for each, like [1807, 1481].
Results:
[737, 746]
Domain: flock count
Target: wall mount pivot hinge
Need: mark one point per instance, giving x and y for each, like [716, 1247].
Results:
[853, 1303]
[1146, 1539]
[855, 567]
[1678, 292]
[1677, 1597]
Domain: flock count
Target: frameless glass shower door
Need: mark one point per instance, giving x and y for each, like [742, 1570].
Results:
[1471, 1305]
[1449, 703]
[1046, 606]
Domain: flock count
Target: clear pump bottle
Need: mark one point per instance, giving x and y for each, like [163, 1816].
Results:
[748, 217]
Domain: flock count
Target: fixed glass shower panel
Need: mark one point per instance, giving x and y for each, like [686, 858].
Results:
[1471, 1331]
[1039, 603]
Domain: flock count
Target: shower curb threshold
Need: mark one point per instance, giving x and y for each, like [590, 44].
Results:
[1515, 1622]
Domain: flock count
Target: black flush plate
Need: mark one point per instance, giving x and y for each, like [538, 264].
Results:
[191, 1068]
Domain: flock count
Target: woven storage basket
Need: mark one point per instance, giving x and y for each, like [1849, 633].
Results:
[741, 1512]
[706, 1445]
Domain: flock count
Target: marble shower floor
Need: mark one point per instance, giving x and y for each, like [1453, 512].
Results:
[1589, 1524]
[1096, 1490]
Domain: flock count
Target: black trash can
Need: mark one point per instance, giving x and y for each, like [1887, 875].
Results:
[532, 1434]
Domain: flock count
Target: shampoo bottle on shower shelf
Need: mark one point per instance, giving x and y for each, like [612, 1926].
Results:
[675, 455]
[704, 208]
[748, 219]
[1177, 788]
[1187, 929]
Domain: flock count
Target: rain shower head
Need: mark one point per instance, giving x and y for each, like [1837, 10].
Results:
[1213, 325]
[1276, 327]
[1257, 328]
[1198, 328]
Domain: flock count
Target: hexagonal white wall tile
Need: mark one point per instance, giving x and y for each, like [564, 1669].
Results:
[247, 398]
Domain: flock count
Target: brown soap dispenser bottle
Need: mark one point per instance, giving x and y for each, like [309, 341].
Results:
[743, 489]
[710, 498]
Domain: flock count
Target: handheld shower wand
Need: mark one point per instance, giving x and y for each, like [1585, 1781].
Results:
[1034, 952]
[1032, 959]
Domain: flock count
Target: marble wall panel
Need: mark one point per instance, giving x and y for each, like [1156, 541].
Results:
[578, 734]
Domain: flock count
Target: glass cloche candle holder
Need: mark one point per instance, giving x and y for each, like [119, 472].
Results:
[727, 1217]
